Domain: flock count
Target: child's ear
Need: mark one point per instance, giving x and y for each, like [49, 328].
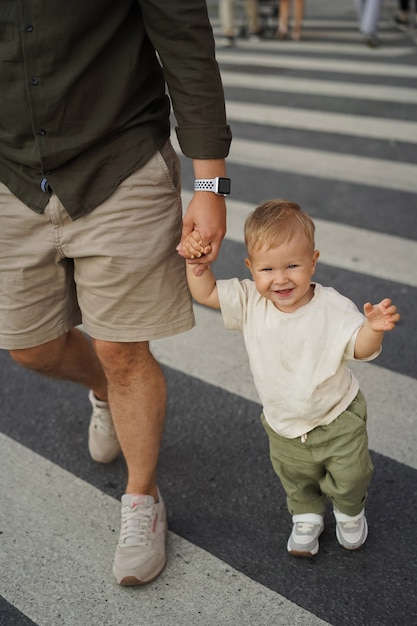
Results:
[249, 266]
[316, 255]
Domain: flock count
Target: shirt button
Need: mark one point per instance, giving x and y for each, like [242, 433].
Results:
[28, 28]
[45, 186]
[41, 131]
[34, 80]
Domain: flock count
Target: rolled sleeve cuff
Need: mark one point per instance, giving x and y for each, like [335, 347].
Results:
[350, 349]
[205, 142]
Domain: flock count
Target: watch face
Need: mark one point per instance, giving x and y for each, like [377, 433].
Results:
[224, 186]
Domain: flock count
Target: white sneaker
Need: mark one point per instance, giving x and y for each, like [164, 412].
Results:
[351, 531]
[103, 444]
[304, 539]
[141, 552]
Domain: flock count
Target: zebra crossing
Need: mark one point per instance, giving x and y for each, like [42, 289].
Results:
[332, 125]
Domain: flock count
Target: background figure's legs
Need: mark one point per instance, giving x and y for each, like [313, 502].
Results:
[227, 19]
[298, 19]
[284, 9]
[253, 17]
[368, 16]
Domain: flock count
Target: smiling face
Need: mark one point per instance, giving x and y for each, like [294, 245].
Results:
[282, 274]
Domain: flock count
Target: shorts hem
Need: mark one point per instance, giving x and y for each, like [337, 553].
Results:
[23, 342]
[134, 335]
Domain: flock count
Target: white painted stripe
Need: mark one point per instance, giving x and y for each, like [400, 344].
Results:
[307, 46]
[218, 357]
[332, 23]
[333, 26]
[309, 22]
[324, 164]
[57, 543]
[340, 66]
[322, 121]
[342, 24]
[349, 248]
[316, 22]
[335, 89]
[380, 255]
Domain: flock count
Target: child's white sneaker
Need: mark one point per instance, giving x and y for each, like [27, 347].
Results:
[351, 531]
[304, 539]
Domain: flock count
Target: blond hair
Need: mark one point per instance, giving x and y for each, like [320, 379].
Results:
[275, 222]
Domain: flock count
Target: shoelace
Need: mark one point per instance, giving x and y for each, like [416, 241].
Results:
[136, 526]
[351, 524]
[305, 527]
[102, 421]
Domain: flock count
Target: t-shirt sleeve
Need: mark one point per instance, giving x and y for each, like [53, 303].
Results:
[348, 321]
[233, 298]
[350, 349]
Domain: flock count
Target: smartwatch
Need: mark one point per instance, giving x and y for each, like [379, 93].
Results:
[219, 186]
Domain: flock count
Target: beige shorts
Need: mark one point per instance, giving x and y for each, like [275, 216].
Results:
[115, 270]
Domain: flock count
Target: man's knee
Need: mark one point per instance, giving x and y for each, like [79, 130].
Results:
[121, 360]
[43, 358]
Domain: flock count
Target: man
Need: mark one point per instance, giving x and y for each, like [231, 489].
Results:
[90, 215]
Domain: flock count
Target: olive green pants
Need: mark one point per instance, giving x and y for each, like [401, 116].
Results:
[333, 462]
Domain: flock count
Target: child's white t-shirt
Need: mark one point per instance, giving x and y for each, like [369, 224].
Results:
[298, 360]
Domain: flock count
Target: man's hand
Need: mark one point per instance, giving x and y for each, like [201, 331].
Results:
[205, 214]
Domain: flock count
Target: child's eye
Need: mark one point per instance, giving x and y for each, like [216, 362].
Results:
[292, 266]
[266, 269]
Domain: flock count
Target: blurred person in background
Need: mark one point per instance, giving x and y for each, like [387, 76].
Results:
[285, 7]
[228, 25]
[402, 18]
[368, 12]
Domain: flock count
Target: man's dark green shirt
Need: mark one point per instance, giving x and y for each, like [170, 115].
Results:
[83, 99]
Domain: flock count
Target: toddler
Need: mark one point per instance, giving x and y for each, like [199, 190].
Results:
[299, 336]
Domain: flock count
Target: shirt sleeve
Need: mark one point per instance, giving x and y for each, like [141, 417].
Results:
[343, 321]
[181, 32]
[233, 296]
[350, 349]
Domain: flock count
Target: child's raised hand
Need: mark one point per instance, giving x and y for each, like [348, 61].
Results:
[192, 246]
[382, 316]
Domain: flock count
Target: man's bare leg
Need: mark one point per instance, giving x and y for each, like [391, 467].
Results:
[137, 397]
[69, 357]
[136, 392]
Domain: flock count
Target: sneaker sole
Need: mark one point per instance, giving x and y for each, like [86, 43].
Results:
[106, 459]
[132, 581]
[350, 548]
[303, 554]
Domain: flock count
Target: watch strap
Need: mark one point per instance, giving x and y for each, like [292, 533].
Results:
[218, 185]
